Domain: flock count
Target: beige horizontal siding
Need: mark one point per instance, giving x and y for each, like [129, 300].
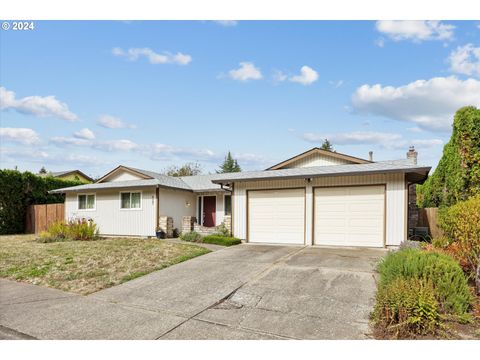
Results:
[115, 221]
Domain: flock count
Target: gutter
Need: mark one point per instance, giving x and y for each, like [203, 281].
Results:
[304, 176]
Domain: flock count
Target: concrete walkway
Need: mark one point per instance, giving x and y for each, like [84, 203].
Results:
[241, 292]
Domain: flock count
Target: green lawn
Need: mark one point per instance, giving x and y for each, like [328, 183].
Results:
[84, 267]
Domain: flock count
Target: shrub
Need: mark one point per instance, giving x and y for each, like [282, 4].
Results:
[223, 230]
[219, 239]
[441, 242]
[175, 233]
[441, 270]
[191, 236]
[82, 229]
[406, 306]
[18, 190]
[75, 229]
[461, 225]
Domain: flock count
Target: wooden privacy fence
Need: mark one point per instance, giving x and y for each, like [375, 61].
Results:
[40, 217]
[428, 217]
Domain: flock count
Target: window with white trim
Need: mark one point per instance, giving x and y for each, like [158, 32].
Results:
[86, 201]
[130, 200]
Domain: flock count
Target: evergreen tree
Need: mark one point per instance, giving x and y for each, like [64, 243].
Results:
[229, 165]
[457, 176]
[327, 145]
[43, 170]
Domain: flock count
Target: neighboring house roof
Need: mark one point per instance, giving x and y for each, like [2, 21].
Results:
[68, 172]
[403, 166]
[316, 150]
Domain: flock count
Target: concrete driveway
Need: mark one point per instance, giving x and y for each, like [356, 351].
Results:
[242, 292]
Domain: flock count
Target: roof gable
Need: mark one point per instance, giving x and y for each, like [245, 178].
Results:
[318, 157]
[123, 173]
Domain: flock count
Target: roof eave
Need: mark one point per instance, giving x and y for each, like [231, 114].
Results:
[305, 176]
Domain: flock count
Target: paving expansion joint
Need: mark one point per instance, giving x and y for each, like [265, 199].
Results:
[256, 277]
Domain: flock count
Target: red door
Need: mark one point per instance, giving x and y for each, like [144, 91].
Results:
[209, 208]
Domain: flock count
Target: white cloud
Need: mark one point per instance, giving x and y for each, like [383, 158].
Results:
[382, 139]
[163, 152]
[13, 155]
[42, 106]
[414, 129]
[113, 122]
[415, 30]
[115, 145]
[426, 143]
[465, 60]
[336, 84]
[307, 76]
[61, 140]
[104, 145]
[134, 54]
[250, 159]
[85, 133]
[20, 135]
[247, 71]
[226, 23]
[279, 76]
[386, 140]
[430, 104]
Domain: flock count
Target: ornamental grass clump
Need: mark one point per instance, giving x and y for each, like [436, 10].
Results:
[407, 307]
[74, 229]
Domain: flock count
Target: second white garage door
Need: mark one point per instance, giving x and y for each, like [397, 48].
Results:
[276, 216]
[350, 216]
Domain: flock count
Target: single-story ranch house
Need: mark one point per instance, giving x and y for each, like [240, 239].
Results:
[319, 197]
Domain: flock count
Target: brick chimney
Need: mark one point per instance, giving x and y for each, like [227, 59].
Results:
[412, 154]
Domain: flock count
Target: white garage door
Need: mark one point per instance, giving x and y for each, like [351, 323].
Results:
[276, 216]
[350, 216]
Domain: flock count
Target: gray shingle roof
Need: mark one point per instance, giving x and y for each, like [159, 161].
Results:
[109, 185]
[212, 182]
[331, 170]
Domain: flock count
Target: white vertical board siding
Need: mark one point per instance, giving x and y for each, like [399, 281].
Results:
[112, 220]
[173, 203]
[396, 209]
[316, 160]
[395, 201]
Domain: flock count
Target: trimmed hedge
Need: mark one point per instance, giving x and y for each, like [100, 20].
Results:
[221, 240]
[19, 190]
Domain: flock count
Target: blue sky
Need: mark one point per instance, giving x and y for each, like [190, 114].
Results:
[150, 94]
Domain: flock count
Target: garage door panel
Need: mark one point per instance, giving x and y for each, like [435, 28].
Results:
[276, 216]
[349, 216]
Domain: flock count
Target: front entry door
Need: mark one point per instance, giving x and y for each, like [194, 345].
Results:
[209, 209]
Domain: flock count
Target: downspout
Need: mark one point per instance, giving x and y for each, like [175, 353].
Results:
[157, 210]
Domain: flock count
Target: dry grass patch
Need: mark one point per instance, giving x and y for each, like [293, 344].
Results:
[85, 267]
